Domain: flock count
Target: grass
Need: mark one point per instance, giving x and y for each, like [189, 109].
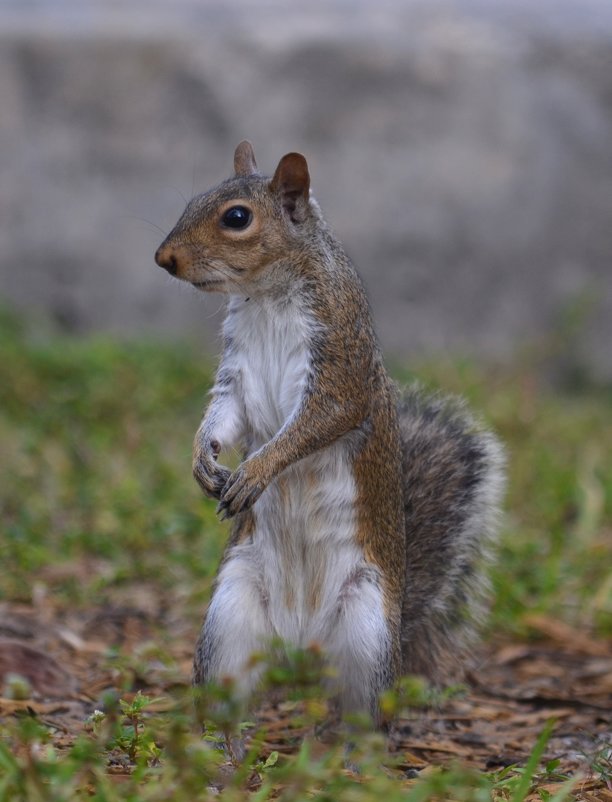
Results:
[97, 444]
[96, 440]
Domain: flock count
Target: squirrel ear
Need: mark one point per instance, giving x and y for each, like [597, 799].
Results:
[292, 181]
[244, 159]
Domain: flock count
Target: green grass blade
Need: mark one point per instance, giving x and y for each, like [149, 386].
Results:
[522, 789]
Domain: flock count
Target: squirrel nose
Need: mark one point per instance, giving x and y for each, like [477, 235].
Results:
[166, 258]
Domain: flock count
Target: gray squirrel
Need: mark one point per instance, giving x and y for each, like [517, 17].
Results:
[362, 515]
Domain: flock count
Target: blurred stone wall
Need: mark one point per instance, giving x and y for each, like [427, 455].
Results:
[462, 151]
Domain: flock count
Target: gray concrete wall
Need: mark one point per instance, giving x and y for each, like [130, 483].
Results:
[463, 152]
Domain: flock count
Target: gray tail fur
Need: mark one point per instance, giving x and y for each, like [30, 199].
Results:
[453, 484]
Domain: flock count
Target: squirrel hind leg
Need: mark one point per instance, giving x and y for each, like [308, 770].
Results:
[359, 644]
[453, 477]
[236, 625]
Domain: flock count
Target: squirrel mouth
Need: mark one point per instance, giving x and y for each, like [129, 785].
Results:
[202, 285]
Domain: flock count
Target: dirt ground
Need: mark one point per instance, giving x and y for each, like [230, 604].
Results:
[563, 675]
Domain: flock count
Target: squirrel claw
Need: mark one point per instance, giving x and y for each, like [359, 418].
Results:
[223, 511]
[239, 494]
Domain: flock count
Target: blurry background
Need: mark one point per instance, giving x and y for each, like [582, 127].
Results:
[461, 150]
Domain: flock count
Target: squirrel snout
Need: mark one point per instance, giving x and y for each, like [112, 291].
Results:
[166, 258]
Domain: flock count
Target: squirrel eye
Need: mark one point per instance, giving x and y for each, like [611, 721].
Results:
[237, 217]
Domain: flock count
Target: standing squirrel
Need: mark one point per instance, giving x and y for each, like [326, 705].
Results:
[362, 516]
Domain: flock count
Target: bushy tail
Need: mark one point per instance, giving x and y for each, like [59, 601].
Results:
[453, 484]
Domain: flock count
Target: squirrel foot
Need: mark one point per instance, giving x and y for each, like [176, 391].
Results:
[241, 490]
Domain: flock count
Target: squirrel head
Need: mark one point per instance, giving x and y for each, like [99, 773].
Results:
[234, 237]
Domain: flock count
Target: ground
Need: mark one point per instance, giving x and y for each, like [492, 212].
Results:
[73, 660]
[109, 552]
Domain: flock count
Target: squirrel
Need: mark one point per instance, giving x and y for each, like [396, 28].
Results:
[362, 515]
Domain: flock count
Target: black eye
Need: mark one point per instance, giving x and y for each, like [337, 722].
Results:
[237, 217]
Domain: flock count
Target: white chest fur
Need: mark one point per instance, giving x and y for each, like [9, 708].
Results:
[304, 548]
[270, 356]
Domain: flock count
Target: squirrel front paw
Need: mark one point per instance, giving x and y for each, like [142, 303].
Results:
[211, 477]
[242, 489]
